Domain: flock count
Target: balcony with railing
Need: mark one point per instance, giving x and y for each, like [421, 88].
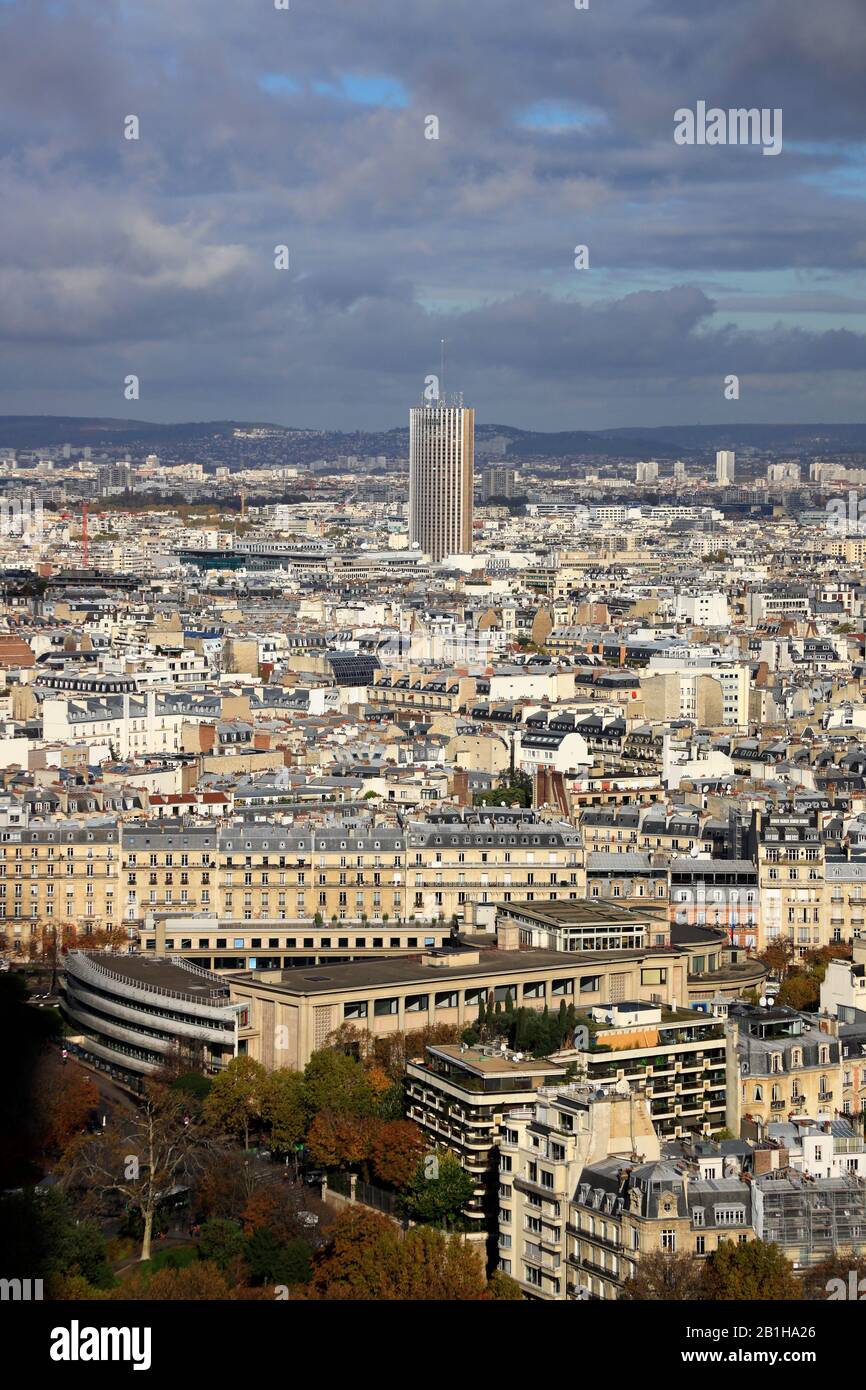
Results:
[534, 1255]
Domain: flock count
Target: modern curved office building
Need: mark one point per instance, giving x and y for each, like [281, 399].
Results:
[132, 1014]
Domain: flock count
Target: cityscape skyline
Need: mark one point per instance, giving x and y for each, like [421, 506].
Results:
[432, 671]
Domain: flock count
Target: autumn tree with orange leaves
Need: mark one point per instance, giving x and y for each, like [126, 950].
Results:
[340, 1141]
[389, 1150]
[396, 1149]
[64, 1097]
[367, 1257]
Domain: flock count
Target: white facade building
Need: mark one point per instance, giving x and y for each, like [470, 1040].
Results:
[705, 610]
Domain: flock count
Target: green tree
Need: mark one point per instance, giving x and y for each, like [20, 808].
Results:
[235, 1098]
[83, 1250]
[392, 1102]
[193, 1084]
[334, 1081]
[273, 1263]
[756, 1270]
[222, 1241]
[439, 1200]
[283, 1108]
[42, 1236]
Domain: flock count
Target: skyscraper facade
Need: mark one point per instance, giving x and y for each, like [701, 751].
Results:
[441, 455]
[724, 466]
[498, 481]
[647, 472]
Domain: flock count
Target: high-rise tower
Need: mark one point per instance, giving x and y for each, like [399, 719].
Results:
[441, 455]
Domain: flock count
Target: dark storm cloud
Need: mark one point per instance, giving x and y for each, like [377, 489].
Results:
[306, 128]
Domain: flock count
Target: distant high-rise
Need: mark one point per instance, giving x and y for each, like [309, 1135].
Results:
[647, 472]
[724, 466]
[441, 455]
[498, 481]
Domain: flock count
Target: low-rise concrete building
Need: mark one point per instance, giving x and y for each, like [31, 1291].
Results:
[293, 1012]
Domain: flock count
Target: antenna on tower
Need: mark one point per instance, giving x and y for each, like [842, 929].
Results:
[442, 372]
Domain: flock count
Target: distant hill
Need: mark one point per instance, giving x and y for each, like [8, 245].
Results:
[35, 431]
[668, 441]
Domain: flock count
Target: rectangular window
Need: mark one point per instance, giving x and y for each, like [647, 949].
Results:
[383, 1007]
[447, 999]
[730, 1216]
[653, 977]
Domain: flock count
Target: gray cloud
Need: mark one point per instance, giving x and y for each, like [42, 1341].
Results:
[156, 256]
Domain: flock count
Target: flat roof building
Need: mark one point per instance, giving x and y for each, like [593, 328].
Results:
[293, 1012]
[458, 1096]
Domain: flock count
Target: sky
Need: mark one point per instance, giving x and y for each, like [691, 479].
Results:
[307, 128]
